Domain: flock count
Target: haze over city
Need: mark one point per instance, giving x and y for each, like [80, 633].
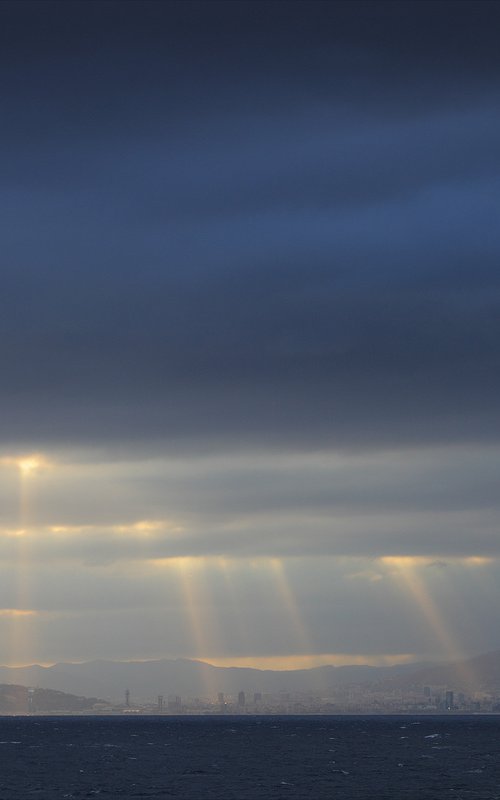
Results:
[249, 396]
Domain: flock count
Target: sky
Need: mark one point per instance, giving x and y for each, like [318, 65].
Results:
[249, 331]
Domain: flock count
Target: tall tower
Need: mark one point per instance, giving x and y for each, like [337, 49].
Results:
[127, 698]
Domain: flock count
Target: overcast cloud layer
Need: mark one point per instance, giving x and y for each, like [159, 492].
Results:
[250, 317]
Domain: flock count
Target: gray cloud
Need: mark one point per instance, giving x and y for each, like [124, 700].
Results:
[440, 502]
[243, 611]
[250, 291]
[187, 269]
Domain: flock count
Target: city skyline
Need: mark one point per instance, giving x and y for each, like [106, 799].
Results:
[249, 407]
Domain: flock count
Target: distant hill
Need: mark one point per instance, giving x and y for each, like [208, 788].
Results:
[15, 698]
[473, 674]
[187, 678]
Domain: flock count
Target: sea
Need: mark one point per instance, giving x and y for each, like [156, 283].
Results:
[248, 758]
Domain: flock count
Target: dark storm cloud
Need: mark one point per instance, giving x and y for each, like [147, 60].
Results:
[242, 221]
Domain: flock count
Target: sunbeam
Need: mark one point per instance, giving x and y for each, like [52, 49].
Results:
[232, 604]
[407, 571]
[197, 605]
[287, 599]
[22, 638]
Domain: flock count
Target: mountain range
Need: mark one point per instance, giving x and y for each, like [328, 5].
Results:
[189, 678]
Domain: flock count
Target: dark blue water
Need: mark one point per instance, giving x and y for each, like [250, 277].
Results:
[249, 757]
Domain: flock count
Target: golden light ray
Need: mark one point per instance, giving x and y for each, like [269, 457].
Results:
[21, 634]
[288, 602]
[405, 569]
[197, 604]
[28, 464]
[21, 628]
[238, 630]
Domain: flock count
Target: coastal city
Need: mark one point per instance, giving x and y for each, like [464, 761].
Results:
[348, 700]
[354, 700]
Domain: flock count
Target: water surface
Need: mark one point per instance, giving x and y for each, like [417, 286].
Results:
[250, 758]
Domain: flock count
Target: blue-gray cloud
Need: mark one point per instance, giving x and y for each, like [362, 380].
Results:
[295, 243]
[249, 292]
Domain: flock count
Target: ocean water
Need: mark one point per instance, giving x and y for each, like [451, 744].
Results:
[229, 758]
